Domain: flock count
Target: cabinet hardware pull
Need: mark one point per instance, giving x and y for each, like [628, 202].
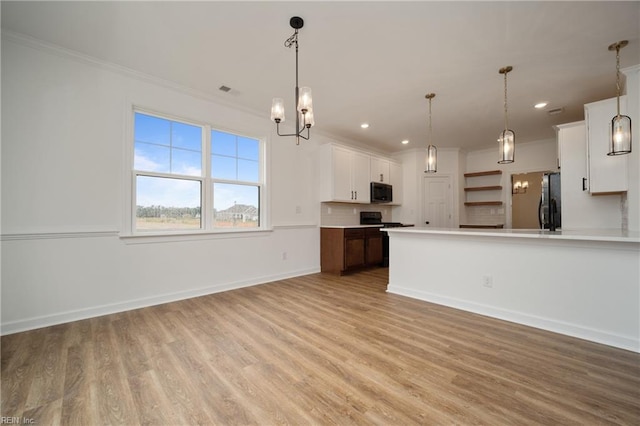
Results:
[381, 177]
[356, 195]
[584, 184]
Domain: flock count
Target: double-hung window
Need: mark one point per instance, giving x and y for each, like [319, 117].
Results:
[190, 177]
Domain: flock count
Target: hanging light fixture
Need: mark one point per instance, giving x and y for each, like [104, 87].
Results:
[304, 108]
[620, 142]
[431, 161]
[507, 139]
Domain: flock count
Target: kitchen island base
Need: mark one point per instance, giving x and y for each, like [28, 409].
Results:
[584, 285]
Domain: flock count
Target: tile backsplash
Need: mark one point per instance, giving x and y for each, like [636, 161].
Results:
[486, 215]
[349, 214]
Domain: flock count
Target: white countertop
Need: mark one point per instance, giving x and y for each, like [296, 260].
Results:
[350, 226]
[612, 235]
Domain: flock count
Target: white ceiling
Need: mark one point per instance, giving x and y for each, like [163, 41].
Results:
[365, 61]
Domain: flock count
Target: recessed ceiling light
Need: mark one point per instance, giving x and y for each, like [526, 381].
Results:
[364, 125]
[540, 105]
[404, 142]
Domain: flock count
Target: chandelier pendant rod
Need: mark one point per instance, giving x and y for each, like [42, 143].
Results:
[618, 79]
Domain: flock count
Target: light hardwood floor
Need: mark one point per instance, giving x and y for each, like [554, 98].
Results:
[318, 349]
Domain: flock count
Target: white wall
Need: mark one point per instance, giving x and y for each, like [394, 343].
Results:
[64, 180]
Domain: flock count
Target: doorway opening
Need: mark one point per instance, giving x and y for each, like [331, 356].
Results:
[526, 189]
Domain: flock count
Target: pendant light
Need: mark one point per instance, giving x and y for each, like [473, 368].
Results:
[507, 139]
[304, 108]
[431, 161]
[620, 141]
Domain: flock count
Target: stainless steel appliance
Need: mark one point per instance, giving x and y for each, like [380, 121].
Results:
[375, 218]
[381, 192]
[549, 208]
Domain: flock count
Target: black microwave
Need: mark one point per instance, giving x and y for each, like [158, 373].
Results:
[381, 192]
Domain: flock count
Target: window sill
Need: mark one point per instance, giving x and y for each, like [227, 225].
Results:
[170, 237]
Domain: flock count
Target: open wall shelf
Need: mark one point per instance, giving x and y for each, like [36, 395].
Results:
[488, 173]
[483, 188]
[483, 203]
[497, 188]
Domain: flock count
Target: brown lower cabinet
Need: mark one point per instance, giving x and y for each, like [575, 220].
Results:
[348, 249]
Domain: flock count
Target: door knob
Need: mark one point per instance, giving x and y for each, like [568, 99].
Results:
[427, 222]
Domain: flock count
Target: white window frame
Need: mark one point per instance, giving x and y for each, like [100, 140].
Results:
[207, 228]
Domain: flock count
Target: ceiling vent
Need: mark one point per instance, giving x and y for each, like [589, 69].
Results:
[224, 88]
[555, 111]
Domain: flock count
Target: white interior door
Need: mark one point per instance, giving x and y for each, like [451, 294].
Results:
[437, 208]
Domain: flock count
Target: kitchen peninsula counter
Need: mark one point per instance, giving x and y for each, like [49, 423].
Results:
[613, 235]
[582, 283]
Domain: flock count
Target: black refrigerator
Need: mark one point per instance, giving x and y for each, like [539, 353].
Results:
[550, 206]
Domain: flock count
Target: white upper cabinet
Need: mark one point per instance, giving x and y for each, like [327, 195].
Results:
[344, 175]
[606, 174]
[380, 171]
[580, 210]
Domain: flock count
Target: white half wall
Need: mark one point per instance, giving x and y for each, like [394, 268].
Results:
[585, 289]
[64, 185]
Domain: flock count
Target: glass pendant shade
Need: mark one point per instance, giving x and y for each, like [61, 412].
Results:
[307, 119]
[620, 142]
[431, 162]
[506, 143]
[304, 99]
[277, 110]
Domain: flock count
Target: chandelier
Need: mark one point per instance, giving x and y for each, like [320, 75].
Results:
[304, 109]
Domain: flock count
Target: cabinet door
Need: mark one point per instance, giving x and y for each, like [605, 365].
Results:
[606, 173]
[379, 170]
[360, 177]
[354, 248]
[373, 246]
[395, 179]
[341, 163]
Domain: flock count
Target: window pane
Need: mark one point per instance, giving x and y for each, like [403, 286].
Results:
[186, 136]
[248, 148]
[223, 143]
[167, 204]
[151, 158]
[248, 171]
[152, 129]
[186, 162]
[236, 206]
[223, 167]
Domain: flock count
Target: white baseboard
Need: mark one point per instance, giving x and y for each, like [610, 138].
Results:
[96, 311]
[573, 330]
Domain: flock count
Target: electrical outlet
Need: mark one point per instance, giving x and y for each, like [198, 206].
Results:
[487, 281]
[328, 210]
[284, 255]
[298, 209]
